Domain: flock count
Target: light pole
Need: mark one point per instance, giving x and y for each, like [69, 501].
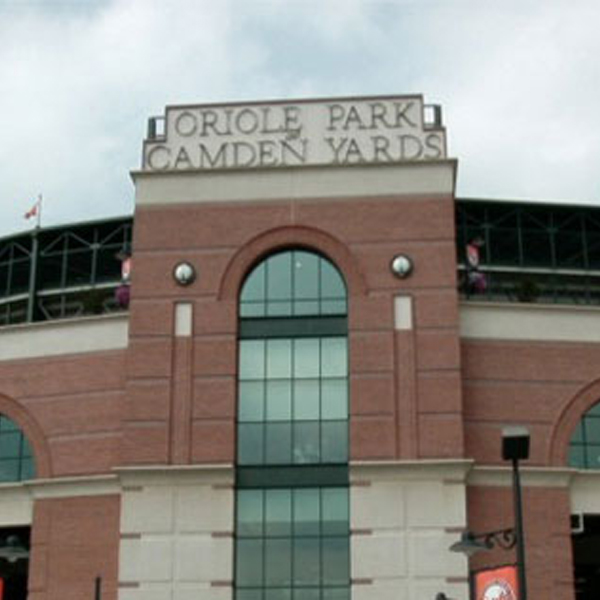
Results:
[515, 447]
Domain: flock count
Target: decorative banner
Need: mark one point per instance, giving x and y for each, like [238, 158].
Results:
[497, 584]
[1, 588]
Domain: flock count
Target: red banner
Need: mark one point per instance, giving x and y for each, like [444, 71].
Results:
[497, 584]
[1, 588]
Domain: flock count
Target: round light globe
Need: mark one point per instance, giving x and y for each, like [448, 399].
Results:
[184, 273]
[401, 266]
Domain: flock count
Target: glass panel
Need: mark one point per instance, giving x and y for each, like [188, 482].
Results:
[254, 287]
[592, 429]
[335, 511]
[278, 562]
[279, 359]
[332, 284]
[9, 470]
[278, 513]
[333, 307]
[279, 400]
[306, 358]
[334, 399]
[252, 359]
[279, 276]
[306, 272]
[7, 424]
[578, 433]
[334, 441]
[592, 456]
[279, 309]
[306, 443]
[306, 400]
[249, 513]
[253, 309]
[307, 511]
[278, 450]
[10, 445]
[338, 593]
[252, 405]
[577, 457]
[336, 560]
[27, 468]
[334, 357]
[250, 443]
[306, 307]
[307, 561]
[26, 449]
[307, 593]
[244, 594]
[595, 410]
[278, 593]
[249, 562]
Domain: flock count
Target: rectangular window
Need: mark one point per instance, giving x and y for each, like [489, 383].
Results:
[293, 401]
[292, 543]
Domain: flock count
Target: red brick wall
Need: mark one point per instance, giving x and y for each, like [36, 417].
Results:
[75, 403]
[398, 410]
[522, 383]
[546, 518]
[74, 541]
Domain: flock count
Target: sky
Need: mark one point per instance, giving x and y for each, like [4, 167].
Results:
[518, 81]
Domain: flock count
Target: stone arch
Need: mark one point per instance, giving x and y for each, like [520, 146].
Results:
[287, 237]
[568, 420]
[32, 430]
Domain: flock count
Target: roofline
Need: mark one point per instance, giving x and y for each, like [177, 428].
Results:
[531, 202]
[29, 232]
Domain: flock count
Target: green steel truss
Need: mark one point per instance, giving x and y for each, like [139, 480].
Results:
[61, 272]
[532, 252]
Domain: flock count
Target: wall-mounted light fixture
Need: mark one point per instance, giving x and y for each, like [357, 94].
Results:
[184, 273]
[401, 266]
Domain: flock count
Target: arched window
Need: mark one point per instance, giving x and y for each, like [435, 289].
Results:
[16, 458]
[292, 516]
[584, 449]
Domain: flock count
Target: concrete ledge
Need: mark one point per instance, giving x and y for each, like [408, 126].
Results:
[188, 187]
[531, 322]
[496, 476]
[68, 336]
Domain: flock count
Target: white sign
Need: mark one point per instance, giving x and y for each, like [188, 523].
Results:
[295, 134]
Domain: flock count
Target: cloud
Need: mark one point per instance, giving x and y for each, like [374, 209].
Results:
[518, 81]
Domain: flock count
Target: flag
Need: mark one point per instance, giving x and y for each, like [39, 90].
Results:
[35, 210]
[32, 212]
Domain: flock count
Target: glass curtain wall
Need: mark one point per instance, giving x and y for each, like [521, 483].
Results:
[292, 513]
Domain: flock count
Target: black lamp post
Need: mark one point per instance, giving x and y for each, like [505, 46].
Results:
[515, 447]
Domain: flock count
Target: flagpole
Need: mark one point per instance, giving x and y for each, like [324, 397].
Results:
[33, 263]
[39, 212]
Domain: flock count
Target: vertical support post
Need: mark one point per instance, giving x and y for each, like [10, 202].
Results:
[98, 589]
[33, 269]
[519, 530]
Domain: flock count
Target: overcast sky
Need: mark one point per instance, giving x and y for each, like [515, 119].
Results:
[518, 80]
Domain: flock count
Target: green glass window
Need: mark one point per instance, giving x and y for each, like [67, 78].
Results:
[292, 524]
[293, 283]
[16, 458]
[292, 543]
[584, 449]
[293, 401]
